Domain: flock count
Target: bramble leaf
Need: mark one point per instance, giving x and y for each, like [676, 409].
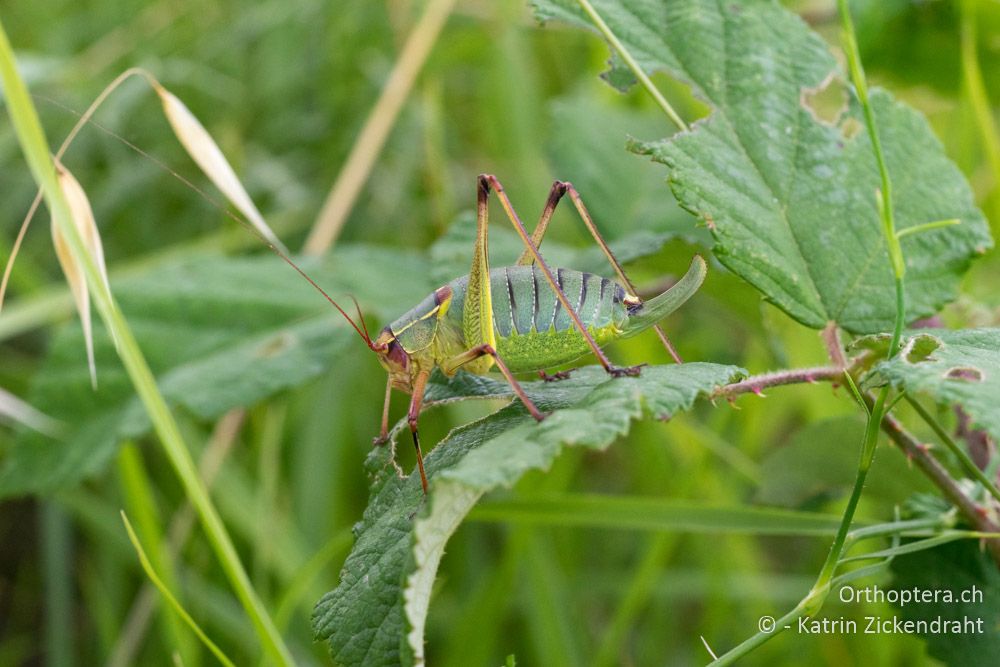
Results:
[952, 367]
[790, 198]
[376, 616]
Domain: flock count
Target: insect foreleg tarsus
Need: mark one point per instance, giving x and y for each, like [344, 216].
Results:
[555, 377]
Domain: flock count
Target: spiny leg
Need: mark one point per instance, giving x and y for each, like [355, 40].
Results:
[417, 400]
[457, 362]
[560, 188]
[486, 181]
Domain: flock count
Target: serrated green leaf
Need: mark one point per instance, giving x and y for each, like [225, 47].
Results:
[218, 333]
[790, 199]
[962, 368]
[376, 615]
[952, 569]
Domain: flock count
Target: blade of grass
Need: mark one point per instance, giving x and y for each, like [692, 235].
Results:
[35, 147]
[138, 498]
[975, 89]
[137, 621]
[57, 556]
[552, 623]
[653, 514]
[169, 597]
[354, 174]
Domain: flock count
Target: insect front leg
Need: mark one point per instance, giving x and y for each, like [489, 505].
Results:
[417, 400]
[487, 181]
[383, 433]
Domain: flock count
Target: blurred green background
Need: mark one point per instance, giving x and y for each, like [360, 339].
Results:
[285, 88]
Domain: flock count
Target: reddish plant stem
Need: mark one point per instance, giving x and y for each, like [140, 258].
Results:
[914, 450]
[831, 338]
[757, 383]
[920, 455]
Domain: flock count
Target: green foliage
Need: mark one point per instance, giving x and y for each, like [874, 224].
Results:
[219, 333]
[816, 465]
[953, 569]
[788, 197]
[629, 553]
[377, 614]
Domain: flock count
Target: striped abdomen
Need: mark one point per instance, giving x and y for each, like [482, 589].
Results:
[533, 329]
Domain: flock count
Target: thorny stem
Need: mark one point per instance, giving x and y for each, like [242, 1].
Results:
[814, 600]
[920, 456]
[831, 338]
[757, 383]
[960, 454]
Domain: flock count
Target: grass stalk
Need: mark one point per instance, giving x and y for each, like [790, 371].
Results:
[358, 166]
[147, 566]
[57, 554]
[36, 150]
[138, 498]
[975, 89]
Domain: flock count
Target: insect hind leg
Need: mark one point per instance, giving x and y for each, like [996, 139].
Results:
[558, 191]
[488, 181]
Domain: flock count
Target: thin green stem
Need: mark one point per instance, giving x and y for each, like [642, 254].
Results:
[633, 65]
[960, 453]
[928, 226]
[856, 393]
[147, 566]
[814, 600]
[38, 155]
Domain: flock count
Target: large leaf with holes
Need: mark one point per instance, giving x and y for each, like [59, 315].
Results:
[376, 615]
[218, 333]
[953, 368]
[790, 198]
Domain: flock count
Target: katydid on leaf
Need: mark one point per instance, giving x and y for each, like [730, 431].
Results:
[517, 318]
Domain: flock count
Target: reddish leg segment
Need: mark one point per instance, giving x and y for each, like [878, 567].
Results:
[560, 188]
[487, 181]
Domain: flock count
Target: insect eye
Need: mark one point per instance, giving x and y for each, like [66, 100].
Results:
[397, 354]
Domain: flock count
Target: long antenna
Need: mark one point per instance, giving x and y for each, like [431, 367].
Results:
[225, 210]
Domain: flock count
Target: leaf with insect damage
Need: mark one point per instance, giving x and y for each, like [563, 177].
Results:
[951, 367]
[376, 616]
[83, 220]
[788, 195]
[218, 333]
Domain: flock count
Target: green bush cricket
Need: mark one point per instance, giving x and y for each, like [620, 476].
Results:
[518, 318]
